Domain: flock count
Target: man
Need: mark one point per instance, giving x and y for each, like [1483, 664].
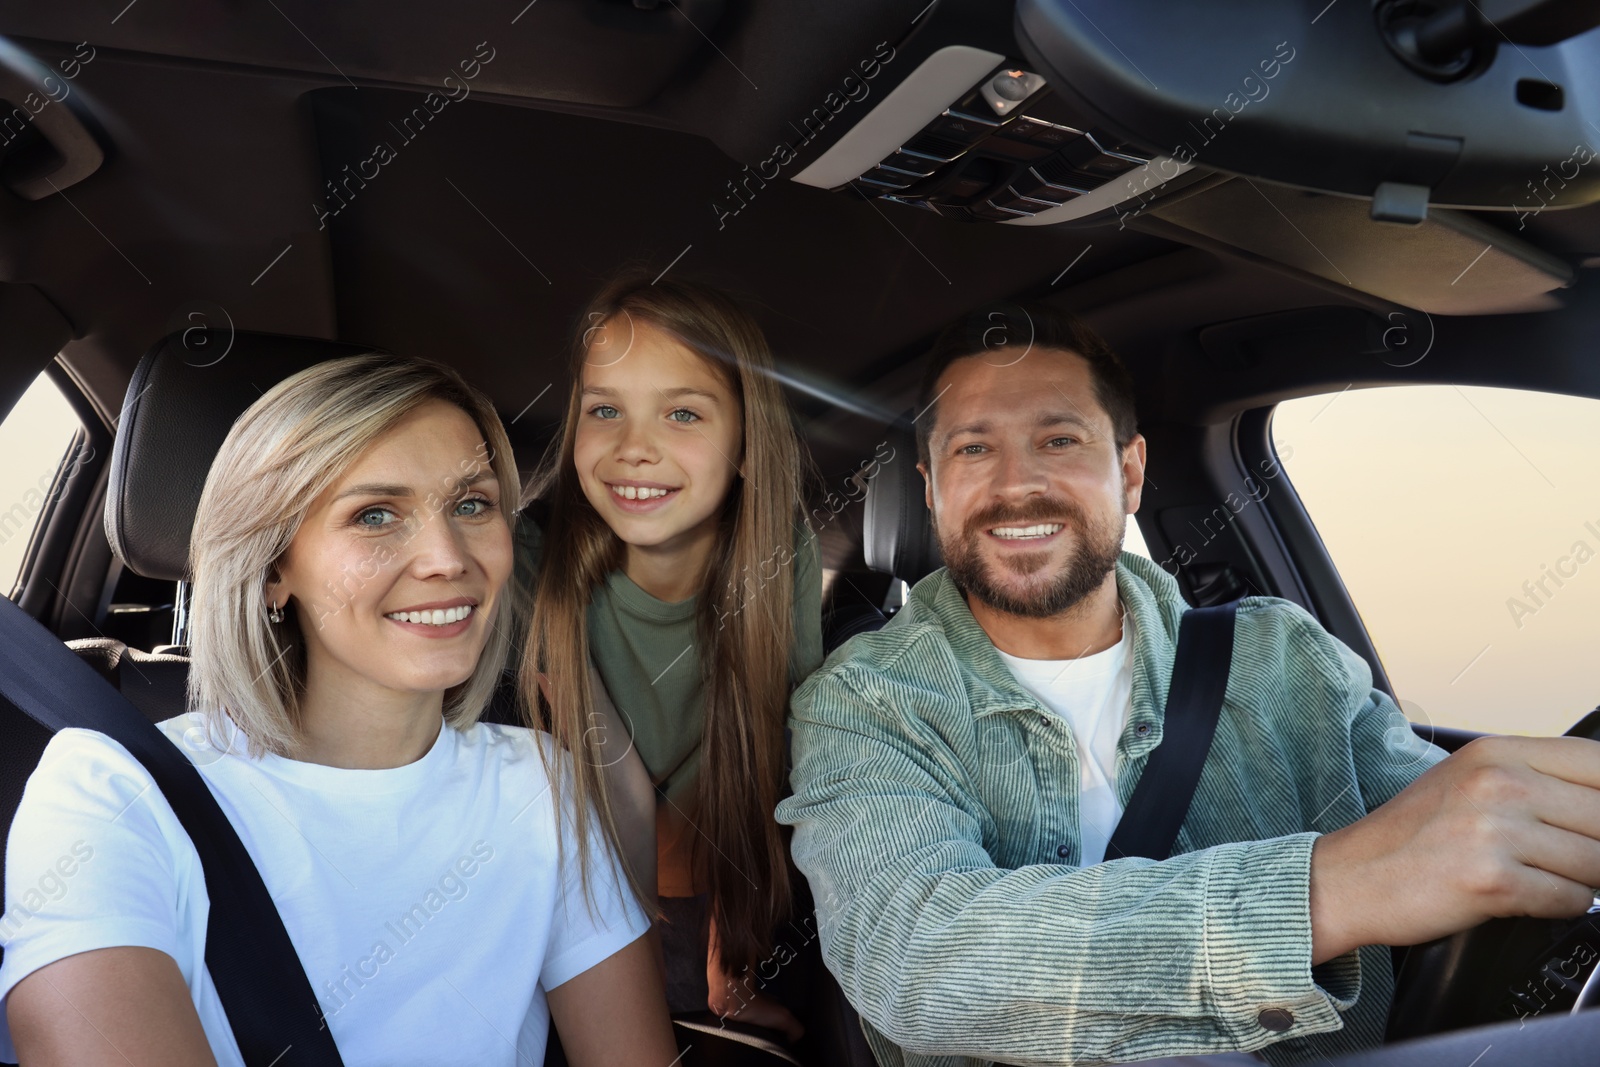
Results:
[958, 773]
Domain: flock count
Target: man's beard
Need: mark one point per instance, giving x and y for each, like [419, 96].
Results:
[1094, 555]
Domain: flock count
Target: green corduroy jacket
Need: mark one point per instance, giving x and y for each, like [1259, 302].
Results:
[935, 811]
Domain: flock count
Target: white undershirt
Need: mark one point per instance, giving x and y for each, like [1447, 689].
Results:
[1094, 694]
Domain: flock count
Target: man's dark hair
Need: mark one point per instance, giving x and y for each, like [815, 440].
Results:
[1020, 327]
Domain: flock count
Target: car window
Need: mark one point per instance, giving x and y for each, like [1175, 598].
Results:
[35, 439]
[1133, 539]
[1465, 522]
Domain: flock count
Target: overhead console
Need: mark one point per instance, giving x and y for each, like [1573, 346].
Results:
[974, 135]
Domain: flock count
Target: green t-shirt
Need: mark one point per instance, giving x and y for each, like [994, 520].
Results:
[645, 650]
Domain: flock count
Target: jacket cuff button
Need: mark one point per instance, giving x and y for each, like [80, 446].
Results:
[1275, 1019]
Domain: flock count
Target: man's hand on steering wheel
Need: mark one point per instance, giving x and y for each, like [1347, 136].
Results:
[1507, 826]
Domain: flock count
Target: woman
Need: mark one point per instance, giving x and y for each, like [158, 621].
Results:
[350, 562]
[674, 562]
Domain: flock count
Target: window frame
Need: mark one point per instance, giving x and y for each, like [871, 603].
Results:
[62, 567]
[54, 497]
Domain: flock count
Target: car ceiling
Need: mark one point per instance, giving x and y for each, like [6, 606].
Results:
[598, 135]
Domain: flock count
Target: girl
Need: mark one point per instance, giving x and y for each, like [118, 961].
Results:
[672, 560]
[350, 559]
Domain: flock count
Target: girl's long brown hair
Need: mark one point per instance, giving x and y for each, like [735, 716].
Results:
[745, 612]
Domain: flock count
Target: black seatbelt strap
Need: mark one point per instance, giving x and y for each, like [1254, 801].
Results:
[252, 962]
[1160, 801]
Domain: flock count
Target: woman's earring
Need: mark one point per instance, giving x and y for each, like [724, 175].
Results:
[275, 613]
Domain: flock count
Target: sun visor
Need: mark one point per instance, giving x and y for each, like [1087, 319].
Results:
[1450, 264]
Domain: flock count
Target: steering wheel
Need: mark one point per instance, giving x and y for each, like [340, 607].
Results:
[1589, 997]
[1502, 970]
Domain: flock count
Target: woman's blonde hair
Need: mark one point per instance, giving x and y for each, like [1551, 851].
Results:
[745, 624]
[281, 455]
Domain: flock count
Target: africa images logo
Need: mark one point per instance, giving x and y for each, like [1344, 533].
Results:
[852, 89]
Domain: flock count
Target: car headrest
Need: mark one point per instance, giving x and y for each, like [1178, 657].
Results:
[897, 530]
[185, 395]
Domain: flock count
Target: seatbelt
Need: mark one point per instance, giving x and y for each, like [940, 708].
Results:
[1150, 822]
[252, 962]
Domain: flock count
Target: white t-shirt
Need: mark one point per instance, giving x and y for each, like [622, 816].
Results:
[425, 902]
[1094, 694]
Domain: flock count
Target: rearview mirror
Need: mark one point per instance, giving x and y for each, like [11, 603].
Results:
[1489, 106]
